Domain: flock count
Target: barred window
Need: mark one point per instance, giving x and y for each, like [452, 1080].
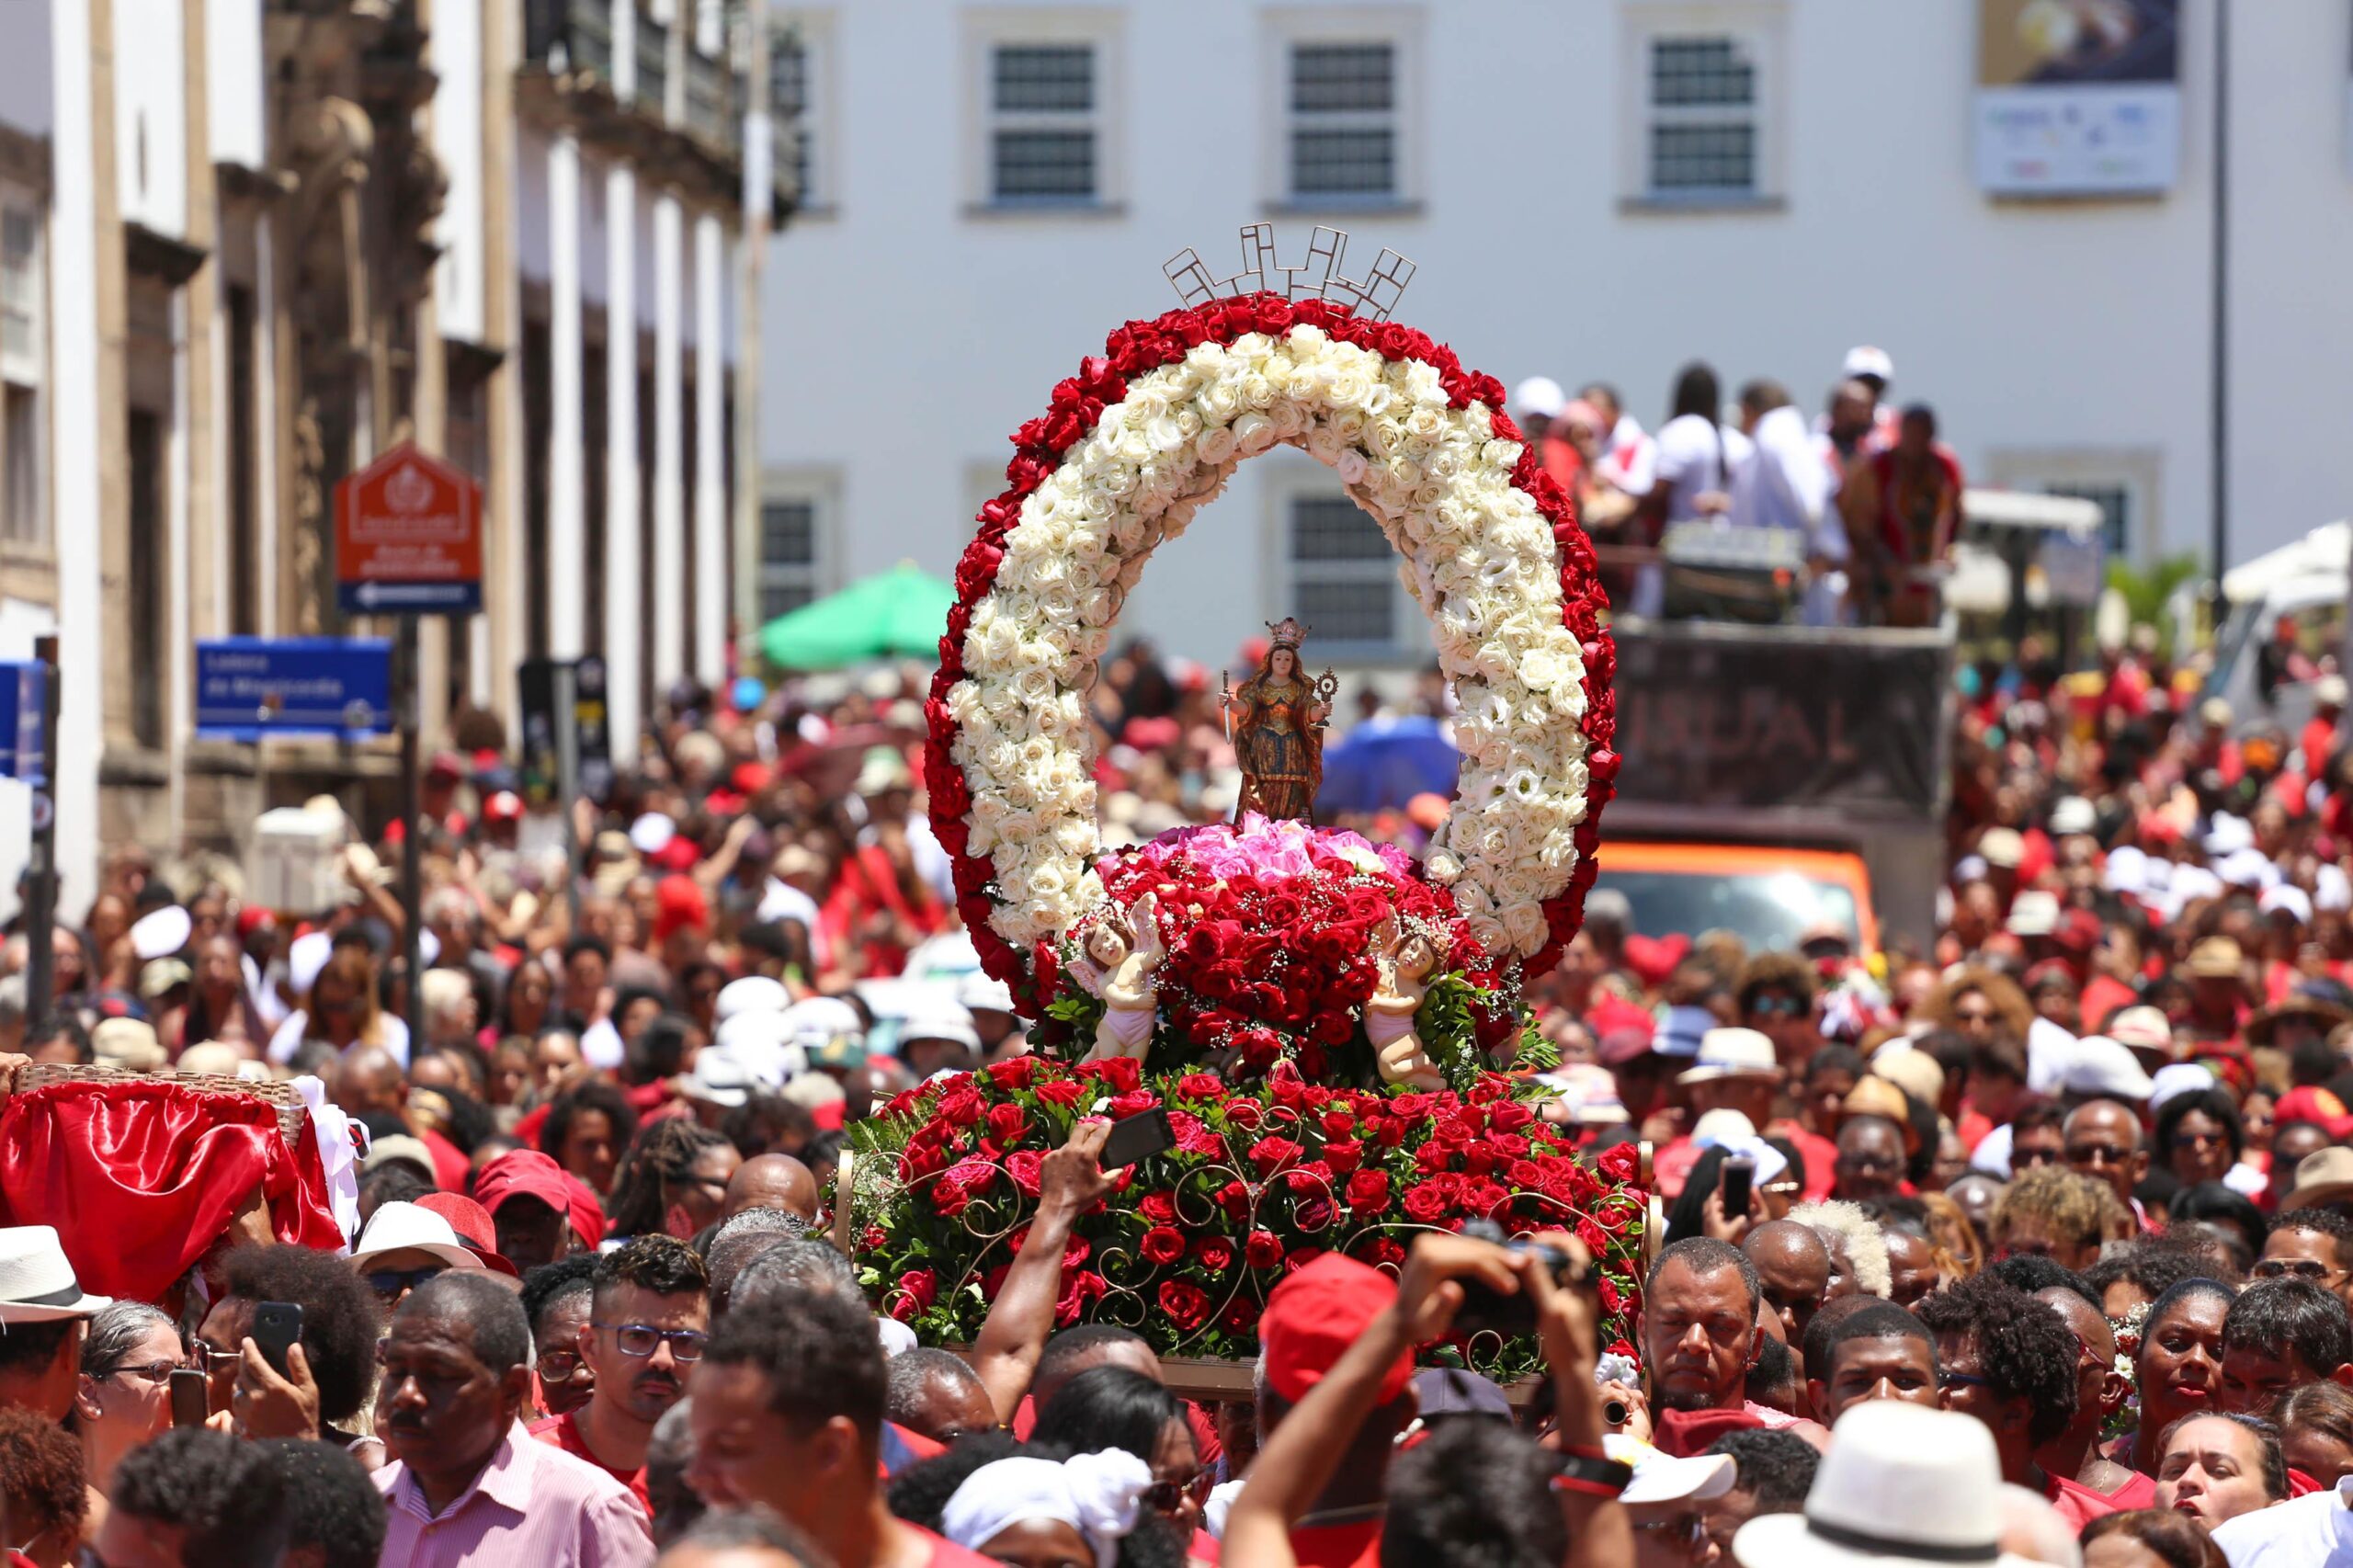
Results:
[1045, 134]
[1343, 575]
[1343, 104]
[793, 106]
[1703, 130]
[788, 564]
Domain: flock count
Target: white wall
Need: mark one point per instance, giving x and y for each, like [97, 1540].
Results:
[2029, 326]
[234, 105]
[26, 100]
[150, 114]
[457, 142]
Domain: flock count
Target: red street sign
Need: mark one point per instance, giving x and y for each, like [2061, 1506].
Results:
[408, 538]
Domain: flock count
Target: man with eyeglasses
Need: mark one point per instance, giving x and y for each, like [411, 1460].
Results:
[648, 1318]
[2312, 1245]
[2008, 1360]
[1871, 1159]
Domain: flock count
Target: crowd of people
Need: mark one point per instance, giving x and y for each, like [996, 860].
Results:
[2038, 1241]
[1867, 491]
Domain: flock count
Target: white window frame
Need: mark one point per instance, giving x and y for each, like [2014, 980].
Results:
[24, 368]
[1403, 29]
[1306, 480]
[820, 491]
[1759, 28]
[988, 29]
[816, 33]
[2136, 471]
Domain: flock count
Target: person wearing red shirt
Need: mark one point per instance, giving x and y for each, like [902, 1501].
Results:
[2100, 1392]
[1903, 507]
[647, 1323]
[2011, 1362]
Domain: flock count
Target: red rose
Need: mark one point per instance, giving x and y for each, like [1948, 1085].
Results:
[1368, 1192]
[1122, 1073]
[1338, 1124]
[1314, 1176]
[1158, 1208]
[1344, 1154]
[1014, 1072]
[1240, 1316]
[918, 1288]
[1007, 1122]
[974, 1175]
[1200, 1086]
[949, 1198]
[1245, 1113]
[1425, 1204]
[1135, 1102]
[873, 1239]
[1234, 1199]
[1067, 1093]
[1025, 1167]
[1193, 1136]
[1301, 1257]
[1080, 1290]
[1187, 1305]
[1617, 1162]
[1161, 1245]
[1381, 1250]
[1262, 1250]
[1215, 1254]
[961, 1105]
[1271, 1154]
[1510, 1116]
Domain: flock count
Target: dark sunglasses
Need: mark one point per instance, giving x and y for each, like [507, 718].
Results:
[390, 1282]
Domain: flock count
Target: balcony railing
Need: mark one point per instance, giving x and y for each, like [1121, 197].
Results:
[570, 36]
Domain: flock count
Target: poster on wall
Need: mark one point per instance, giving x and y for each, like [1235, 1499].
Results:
[2079, 97]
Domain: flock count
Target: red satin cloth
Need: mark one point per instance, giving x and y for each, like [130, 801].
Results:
[142, 1178]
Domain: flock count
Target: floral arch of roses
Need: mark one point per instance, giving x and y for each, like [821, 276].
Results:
[1127, 451]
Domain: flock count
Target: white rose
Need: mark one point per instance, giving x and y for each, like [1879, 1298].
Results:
[1442, 867]
[1524, 925]
[1218, 446]
[1351, 466]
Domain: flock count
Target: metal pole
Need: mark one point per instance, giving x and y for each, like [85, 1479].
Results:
[405, 694]
[2218, 458]
[40, 958]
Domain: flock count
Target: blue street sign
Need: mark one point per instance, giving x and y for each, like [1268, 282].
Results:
[250, 686]
[409, 598]
[24, 698]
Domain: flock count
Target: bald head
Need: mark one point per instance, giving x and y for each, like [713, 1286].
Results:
[2101, 1139]
[771, 1181]
[1795, 1267]
[370, 1079]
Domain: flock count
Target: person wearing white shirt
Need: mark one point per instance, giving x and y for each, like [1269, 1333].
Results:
[1789, 486]
[1699, 461]
[2314, 1531]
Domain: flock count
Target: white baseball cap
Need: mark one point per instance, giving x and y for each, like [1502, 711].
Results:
[1540, 395]
[1865, 360]
[2288, 897]
[1660, 1477]
[2100, 1067]
[754, 993]
[943, 1019]
[410, 1228]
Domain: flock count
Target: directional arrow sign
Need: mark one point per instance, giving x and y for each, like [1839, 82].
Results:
[408, 538]
[250, 686]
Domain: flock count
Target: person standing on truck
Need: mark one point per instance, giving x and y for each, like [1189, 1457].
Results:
[1699, 461]
[1902, 510]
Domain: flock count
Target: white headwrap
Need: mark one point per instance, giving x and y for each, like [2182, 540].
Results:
[1096, 1494]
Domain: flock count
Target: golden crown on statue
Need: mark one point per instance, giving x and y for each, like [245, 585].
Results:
[1320, 276]
[1288, 632]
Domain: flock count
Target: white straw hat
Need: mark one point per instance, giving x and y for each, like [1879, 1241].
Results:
[37, 1282]
[1900, 1484]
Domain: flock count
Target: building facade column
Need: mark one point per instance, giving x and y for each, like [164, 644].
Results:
[86, 281]
[669, 440]
[710, 454]
[567, 584]
[500, 632]
[624, 548]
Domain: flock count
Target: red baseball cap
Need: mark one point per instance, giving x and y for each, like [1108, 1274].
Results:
[526, 1172]
[2313, 1104]
[678, 855]
[472, 1224]
[1312, 1317]
[504, 806]
[679, 903]
[1614, 1015]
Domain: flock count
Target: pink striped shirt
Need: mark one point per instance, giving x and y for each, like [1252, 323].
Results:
[533, 1503]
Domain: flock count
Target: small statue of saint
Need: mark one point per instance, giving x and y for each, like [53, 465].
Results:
[1275, 721]
[1407, 961]
[1123, 954]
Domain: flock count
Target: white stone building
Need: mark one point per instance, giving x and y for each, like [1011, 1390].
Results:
[1592, 189]
[248, 244]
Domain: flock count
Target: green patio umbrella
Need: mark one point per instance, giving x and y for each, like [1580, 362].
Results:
[898, 613]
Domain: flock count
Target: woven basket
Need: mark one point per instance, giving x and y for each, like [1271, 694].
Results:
[289, 1104]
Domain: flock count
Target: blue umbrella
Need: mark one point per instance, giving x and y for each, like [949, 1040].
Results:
[1387, 762]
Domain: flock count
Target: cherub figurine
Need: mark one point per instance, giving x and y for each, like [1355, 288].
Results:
[1406, 961]
[1123, 954]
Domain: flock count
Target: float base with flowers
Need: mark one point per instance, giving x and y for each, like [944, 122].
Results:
[1326, 1023]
